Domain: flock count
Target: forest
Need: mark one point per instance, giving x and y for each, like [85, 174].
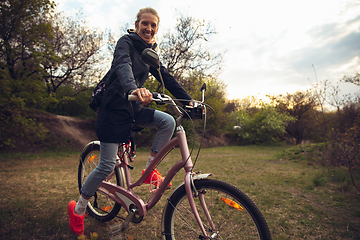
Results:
[50, 63]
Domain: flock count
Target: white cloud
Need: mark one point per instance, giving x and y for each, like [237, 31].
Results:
[271, 45]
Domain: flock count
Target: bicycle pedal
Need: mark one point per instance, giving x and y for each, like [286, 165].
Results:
[115, 232]
[116, 236]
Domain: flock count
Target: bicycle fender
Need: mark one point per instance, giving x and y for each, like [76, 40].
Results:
[90, 144]
[202, 176]
[197, 177]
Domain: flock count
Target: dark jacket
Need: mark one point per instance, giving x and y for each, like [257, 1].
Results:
[129, 72]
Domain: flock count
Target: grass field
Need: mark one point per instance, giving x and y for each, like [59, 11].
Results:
[299, 199]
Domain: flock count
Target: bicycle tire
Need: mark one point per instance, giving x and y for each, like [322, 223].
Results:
[230, 223]
[100, 206]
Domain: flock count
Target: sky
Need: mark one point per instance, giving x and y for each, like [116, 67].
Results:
[271, 47]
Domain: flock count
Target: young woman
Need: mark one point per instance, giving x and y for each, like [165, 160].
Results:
[117, 116]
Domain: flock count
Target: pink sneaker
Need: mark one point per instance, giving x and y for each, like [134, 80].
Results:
[76, 222]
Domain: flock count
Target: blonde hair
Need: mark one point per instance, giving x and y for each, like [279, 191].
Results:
[146, 10]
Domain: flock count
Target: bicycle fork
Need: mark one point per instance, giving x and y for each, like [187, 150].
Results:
[191, 193]
[189, 183]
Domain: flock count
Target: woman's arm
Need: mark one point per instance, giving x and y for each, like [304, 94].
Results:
[171, 84]
[122, 64]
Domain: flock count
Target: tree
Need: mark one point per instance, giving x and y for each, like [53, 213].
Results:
[24, 37]
[297, 105]
[355, 79]
[25, 33]
[184, 50]
[75, 60]
[215, 96]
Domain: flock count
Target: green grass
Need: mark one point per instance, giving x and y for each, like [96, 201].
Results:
[299, 198]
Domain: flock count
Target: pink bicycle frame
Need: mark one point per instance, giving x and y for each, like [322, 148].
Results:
[127, 198]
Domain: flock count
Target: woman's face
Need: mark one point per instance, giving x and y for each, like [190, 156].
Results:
[147, 27]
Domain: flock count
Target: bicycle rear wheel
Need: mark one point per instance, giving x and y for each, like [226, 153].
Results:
[234, 214]
[100, 206]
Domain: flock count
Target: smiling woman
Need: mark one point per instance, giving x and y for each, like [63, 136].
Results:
[147, 24]
[117, 116]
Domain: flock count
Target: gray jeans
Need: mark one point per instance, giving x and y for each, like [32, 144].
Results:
[165, 124]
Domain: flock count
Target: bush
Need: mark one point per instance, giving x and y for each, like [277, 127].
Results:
[266, 125]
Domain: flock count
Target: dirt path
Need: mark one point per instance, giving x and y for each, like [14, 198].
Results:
[75, 133]
[81, 130]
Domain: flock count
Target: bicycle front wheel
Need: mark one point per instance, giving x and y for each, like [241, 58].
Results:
[100, 206]
[234, 215]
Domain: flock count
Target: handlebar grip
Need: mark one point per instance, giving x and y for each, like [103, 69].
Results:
[155, 95]
[133, 98]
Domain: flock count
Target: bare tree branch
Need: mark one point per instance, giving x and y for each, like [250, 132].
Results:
[76, 60]
[185, 49]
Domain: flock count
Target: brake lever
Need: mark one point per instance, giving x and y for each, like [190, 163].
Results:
[159, 98]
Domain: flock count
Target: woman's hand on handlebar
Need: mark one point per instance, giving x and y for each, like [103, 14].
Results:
[144, 95]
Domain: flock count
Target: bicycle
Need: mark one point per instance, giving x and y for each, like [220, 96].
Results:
[199, 208]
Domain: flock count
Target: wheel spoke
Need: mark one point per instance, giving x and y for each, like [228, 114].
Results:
[231, 213]
[100, 206]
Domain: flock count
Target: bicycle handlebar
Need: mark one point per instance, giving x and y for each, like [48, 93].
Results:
[159, 98]
[192, 111]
